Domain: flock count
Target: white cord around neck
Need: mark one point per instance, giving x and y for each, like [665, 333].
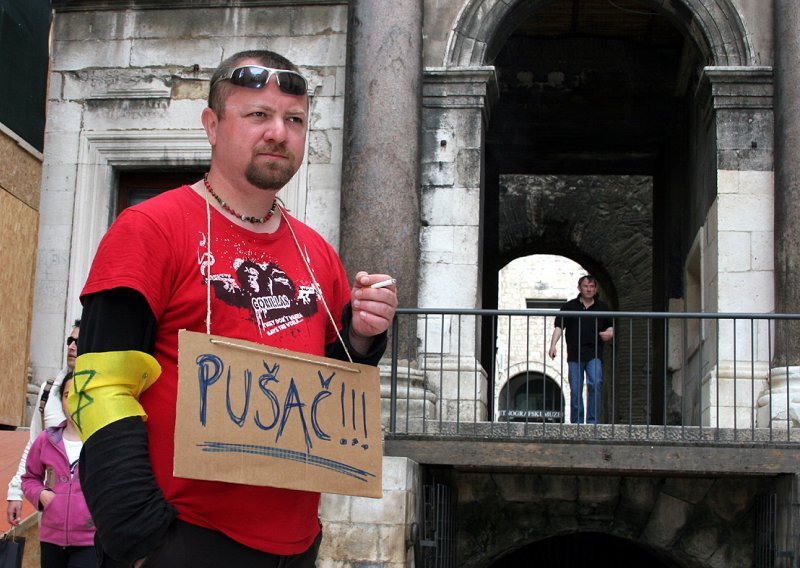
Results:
[208, 265]
[314, 280]
[317, 287]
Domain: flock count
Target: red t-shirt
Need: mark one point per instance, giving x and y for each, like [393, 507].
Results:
[260, 291]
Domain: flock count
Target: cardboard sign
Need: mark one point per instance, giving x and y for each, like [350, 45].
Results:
[253, 414]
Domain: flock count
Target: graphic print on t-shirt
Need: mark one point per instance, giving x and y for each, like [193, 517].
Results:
[262, 288]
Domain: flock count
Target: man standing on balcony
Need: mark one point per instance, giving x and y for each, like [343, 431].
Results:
[585, 338]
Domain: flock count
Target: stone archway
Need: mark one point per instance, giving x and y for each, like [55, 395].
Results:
[547, 215]
[682, 160]
[714, 26]
[577, 550]
[683, 522]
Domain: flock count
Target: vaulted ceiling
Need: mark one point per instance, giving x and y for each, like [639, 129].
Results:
[589, 86]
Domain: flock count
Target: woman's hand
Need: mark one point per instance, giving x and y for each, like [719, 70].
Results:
[45, 497]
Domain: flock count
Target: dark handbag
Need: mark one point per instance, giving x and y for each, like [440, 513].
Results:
[11, 549]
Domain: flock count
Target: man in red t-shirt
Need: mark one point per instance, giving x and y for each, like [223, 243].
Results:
[221, 253]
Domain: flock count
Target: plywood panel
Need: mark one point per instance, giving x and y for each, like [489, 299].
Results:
[21, 172]
[18, 233]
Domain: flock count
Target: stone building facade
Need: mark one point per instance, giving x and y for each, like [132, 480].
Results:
[23, 37]
[460, 136]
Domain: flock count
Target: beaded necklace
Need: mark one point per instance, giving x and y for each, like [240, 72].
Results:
[245, 218]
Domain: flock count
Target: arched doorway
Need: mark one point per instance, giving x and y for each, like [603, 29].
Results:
[599, 148]
[596, 96]
[529, 385]
[578, 550]
[531, 397]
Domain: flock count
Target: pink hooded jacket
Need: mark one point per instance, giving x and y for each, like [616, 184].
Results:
[66, 520]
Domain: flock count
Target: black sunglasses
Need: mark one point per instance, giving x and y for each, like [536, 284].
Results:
[256, 77]
[70, 340]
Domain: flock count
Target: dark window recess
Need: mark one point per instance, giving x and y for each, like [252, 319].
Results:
[766, 514]
[531, 397]
[532, 304]
[24, 32]
[137, 186]
[434, 539]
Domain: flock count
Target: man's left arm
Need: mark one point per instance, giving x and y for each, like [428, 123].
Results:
[366, 320]
[128, 507]
[607, 325]
[371, 356]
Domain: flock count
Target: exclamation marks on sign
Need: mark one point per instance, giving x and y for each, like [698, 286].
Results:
[354, 416]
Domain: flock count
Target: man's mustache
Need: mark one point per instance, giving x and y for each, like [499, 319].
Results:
[279, 149]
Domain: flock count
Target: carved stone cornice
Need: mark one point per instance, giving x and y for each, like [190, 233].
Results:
[460, 87]
[739, 87]
[90, 5]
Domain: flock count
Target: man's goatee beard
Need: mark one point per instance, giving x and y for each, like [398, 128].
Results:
[271, 178]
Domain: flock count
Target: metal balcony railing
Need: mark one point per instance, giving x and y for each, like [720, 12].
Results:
[666, 376]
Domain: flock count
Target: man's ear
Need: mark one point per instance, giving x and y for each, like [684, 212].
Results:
[210, 122]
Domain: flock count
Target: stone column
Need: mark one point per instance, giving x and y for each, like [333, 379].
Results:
[739, 242]
[456, 106]
[787, 178]
[380, 218]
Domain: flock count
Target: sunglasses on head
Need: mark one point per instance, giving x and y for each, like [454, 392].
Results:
[70, 340]
[256, 77]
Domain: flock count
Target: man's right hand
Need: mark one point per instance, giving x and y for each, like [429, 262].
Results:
[14, 513]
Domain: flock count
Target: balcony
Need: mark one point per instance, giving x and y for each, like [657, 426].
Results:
[683, 393]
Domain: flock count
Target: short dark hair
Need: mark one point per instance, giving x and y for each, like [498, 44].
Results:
[220, 90]
[60, 388]
[77, 323]
[587, 277]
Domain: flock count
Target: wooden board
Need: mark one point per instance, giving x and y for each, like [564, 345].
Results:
[18, 233]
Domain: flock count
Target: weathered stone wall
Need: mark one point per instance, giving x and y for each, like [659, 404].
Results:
[454, 107]
[120, 70]
[358, 531]
[127, 88]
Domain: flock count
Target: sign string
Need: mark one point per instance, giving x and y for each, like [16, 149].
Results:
[208, 265]
[318, 288]
[282, 354]
[314, 280]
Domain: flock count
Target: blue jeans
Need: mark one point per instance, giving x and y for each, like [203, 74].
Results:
[594, 383]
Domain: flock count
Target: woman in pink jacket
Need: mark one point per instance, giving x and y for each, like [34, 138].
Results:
[51, 483]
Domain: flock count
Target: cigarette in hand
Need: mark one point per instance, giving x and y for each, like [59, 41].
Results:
[384, 283]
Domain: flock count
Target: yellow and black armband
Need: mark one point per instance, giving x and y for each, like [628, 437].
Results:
[106, 388]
